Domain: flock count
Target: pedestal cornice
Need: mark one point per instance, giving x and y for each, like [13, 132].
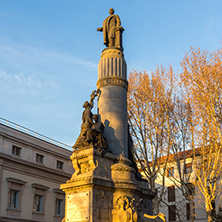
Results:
[112, 80]
[112, 52]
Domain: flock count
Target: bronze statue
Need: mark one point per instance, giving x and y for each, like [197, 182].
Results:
[112, 30]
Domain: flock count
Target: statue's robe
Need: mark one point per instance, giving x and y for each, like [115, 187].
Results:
[109, 26]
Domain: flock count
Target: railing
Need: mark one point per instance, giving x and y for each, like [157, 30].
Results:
[33, 133]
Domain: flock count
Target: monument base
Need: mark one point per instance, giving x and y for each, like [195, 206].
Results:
[103, 188]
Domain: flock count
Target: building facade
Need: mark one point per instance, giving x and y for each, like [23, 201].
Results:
[32, 167]
[174, 205]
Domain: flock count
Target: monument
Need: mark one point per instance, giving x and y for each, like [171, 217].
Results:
[106, 185]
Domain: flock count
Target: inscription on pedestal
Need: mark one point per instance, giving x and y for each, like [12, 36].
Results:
[77, 207]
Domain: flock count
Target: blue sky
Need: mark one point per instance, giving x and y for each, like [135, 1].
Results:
[49, 51]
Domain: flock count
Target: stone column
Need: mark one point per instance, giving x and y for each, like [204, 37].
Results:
[112, 103]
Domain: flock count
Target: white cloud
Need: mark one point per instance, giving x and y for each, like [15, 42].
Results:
[21, 79]
[25, 85]
[27, 54]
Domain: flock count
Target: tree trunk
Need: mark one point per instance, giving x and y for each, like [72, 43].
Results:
[155, 205]
[155, 199]
[209, 217]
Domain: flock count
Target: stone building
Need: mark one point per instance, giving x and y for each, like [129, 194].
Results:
[32, 167]
[173, 200]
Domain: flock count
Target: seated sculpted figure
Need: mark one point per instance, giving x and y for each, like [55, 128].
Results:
[95, 134]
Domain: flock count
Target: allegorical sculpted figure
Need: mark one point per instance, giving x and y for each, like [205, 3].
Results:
[112, 30]
[122, 214]
[92, 130]
[86, 116]
[87, 120]
[133, 212]
[126, 212]
[95, 134]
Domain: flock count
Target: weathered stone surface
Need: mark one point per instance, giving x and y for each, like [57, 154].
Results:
[105, 177]
[77, 207]
[112, 64]
[112, 102]
[90, 162]
[112, 107]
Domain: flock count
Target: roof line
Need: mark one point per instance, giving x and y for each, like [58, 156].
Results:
[33, 133]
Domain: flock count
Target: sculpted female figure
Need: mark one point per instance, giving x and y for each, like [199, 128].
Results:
[87, 121]
[86, 117]
[95, 134]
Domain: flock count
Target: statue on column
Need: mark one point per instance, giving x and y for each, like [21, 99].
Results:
[112, 30]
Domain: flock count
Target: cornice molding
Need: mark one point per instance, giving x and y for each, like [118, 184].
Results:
[19, 165]
[26, 144]
[112, 80]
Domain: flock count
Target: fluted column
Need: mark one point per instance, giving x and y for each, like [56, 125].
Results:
[112, 103]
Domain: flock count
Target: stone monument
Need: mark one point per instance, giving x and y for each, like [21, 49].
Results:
[106, 185]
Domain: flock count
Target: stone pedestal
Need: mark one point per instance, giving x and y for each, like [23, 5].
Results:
[99, 184]
[89, 193]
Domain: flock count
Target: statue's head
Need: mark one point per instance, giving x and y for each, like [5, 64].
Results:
[122, 203]
[111, 11]
[95, 117]
[86, 104]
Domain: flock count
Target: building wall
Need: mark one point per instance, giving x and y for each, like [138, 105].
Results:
[24, 174]
[180, 201]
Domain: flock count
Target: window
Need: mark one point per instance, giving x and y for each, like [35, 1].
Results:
[39, 158]
[15, 188]
[13, 199]
[189, 210]
[59, 206]
[191, 189]
[16, 151]
[37, 203]
[171, 193]
[188, 168]
[59, 196]
[39, 194]
[172, 213]
[170, 172]
[59, 165]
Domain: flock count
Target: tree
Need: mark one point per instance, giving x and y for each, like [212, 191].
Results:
[149, 114]
[173, 122]
[182, 152]
[202, 80]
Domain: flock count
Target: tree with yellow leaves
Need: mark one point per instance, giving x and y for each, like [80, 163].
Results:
[168, 119]
[202, 80]
[149, 111]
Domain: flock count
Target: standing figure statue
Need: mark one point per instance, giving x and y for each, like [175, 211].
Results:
[87, 120]
[92, 129]
[112, 30]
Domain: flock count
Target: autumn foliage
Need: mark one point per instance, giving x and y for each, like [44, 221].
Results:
[202, 80]
[170, 113]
